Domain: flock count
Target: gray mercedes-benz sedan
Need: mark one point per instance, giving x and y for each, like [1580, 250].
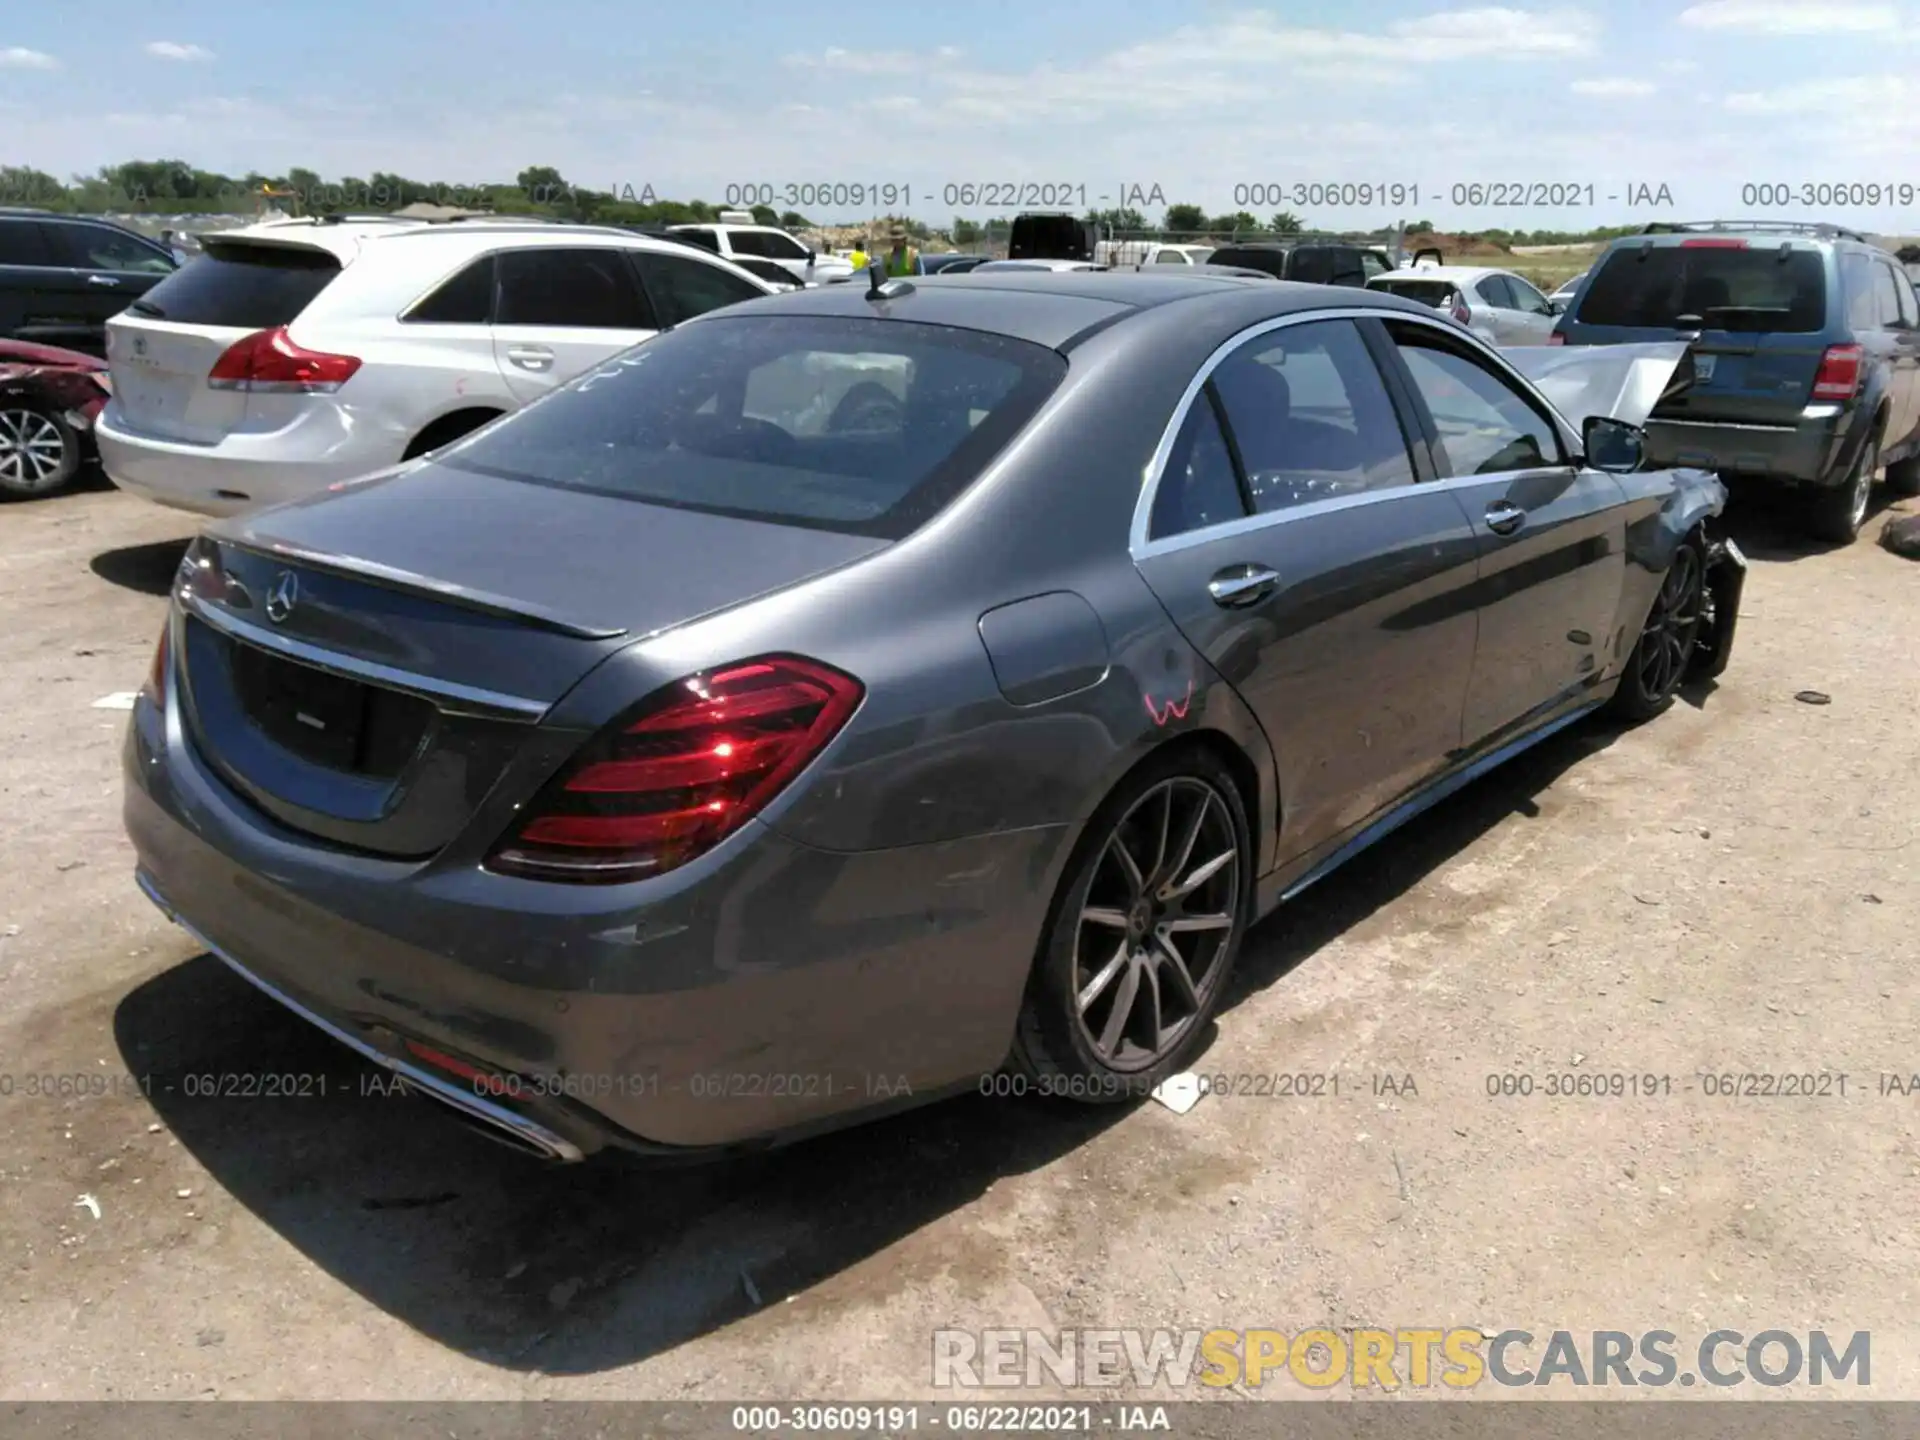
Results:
[863, 695]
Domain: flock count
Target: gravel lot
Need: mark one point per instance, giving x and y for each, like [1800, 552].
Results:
[1728, 889]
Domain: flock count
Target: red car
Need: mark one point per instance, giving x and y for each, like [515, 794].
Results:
[48, 400]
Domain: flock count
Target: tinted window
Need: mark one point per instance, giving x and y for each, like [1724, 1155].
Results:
[590, 289]
[748, 242]
[1485, 425]
[1199, 486]
[1372, 265]
[780, 246]
[466, 299]
[1903, 288]
[859, 425]
[240, 286]
[1495, 291]
[1272, 262]
[21, 243]
[703, 238]
[683, 287]
[1427, 292]
[1171, 257]
[96, 247]
[1858, 284]
[1526, 297]
[1888, 293]
[1743, 290]
[1310, 416]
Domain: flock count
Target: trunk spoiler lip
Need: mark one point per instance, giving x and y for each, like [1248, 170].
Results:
[394, 578]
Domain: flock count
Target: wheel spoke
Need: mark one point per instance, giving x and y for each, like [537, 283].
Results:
[1203, 874]
[1149, 974]
[1097, 986]
[1188, 839]
[1172, 960]
[1135, 881]
[1186, 923]
[1166, 836]
[1116, 1027]
[1103, 915]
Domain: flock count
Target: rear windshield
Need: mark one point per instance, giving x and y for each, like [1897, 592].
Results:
[1048, 237]
[240, 286]
[1727, 289]
[1427, 292]
[863, 426]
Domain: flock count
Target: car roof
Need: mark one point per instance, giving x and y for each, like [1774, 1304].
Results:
[347, 239]
[1052, 308]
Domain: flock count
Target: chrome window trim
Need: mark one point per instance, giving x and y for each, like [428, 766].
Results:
[1141, 546]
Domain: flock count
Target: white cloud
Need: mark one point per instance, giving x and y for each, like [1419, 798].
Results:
[1679, 67]
[1614, 85]
[18, 57]
[870, 62]
[1791, 17]
[174, 50]
[1818, 97]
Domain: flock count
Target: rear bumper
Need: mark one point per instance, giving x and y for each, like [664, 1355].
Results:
[777, 992]
[243, 471]
[1809, 453]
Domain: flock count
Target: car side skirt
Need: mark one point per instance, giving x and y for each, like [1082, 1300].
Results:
[1290, 880]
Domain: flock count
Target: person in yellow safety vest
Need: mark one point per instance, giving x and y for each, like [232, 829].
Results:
[860, 257]
[903, 259]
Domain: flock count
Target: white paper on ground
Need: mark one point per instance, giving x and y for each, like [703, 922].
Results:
[119, 700]
[1179, 1093]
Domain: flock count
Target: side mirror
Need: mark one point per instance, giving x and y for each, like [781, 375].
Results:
[1556, 307]
[1613, 445]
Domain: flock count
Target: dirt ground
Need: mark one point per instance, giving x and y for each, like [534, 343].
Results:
[1725, 890]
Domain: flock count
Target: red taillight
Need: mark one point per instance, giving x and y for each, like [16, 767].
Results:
[156, 687]
[268, 360]
[1713, 244]
[482, 1082]
[1461, 314]
[674, 778]
[1556, 338]
[1839, 373]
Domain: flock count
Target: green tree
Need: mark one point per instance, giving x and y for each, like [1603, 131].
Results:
[1238, 221]
[965, 232]
[1420, 227]
[1182, 220]
[794, 220]
[1286, 223]
[543, 185]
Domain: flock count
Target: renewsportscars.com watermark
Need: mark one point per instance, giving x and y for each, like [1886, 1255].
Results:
[1416, 1357]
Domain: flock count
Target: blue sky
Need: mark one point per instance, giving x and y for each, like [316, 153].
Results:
[1201, 101]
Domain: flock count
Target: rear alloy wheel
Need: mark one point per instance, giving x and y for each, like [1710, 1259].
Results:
[1837, 512]
[1658, 665]
[1140, 948]
[39, 453]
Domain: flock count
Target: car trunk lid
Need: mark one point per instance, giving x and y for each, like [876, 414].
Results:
[162, 349]
[365, 669]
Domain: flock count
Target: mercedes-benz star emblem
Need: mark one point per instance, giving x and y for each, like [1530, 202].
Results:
[284, 595]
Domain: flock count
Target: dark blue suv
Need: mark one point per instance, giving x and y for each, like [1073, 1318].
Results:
[1806, 350]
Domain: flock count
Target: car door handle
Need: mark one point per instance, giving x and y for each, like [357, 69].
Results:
[531, 357]
[105, 280]
[1242, 585]
[1504, 517]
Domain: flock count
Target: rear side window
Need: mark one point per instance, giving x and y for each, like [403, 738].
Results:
[587, 289]
[1273, 262]
[100, 247]
[466, 299]
[1747, 290]
[241, 286]
[1887, 290]
[21, 243]
[1199, 487]
[703, 238]
[749, 242]
[683, 287]
[868, 427]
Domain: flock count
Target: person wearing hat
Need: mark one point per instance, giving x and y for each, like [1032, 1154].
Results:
[903, 259]
[860, 257]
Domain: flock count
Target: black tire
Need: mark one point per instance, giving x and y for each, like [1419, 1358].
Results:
[1080, 1051]
[1903, 476]
[39, 452]
[1666, 648]
[1836, 512]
